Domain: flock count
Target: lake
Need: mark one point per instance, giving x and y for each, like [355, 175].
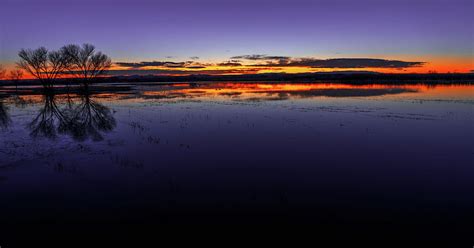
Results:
[366, 157]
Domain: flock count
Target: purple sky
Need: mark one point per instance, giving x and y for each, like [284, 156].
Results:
[143, 30]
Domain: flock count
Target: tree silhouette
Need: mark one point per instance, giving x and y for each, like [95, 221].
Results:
[90, 118]
[44, 65]
[15, 76]
[2, 72]
[85, 62]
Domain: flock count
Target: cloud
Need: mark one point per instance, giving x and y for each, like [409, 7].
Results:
[175, 64]
[151, 63]
[196, 67]
[356, 63]
[340, 63]
[229, 63]
[274, 62]
[166, 64]
[143, 72]
[194, 57]
[260, 57]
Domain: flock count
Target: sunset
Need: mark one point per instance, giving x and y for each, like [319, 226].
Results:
[350, 119]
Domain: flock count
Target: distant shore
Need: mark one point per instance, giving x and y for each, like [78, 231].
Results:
[320, 77]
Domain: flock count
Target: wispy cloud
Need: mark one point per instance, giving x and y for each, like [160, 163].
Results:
[151, 63]
[230, 63]
[166, 64]
[261, 57]
[142, 72]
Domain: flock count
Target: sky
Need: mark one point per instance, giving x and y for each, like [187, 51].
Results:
[232, 37]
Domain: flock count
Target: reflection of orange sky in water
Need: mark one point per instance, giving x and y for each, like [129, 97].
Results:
[248, 90]
[243, 91]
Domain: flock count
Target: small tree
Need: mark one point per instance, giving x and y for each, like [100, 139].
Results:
[85, 62]
[16, 75]
[44, 65]
[2, 72]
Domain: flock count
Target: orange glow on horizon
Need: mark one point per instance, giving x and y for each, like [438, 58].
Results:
[228, 90]
[434, 64]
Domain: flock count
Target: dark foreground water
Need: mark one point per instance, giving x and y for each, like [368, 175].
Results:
[360, 160]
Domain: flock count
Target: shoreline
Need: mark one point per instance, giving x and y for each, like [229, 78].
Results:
[342, 78]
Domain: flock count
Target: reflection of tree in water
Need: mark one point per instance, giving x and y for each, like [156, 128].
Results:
[4, 116]
[82, 121]
[50, 119]
[89, 119]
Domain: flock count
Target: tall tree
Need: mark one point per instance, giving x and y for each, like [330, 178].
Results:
[44, 65]
[85, 62]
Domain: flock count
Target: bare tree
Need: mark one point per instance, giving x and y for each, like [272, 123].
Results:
[85, 62]
[15, 76]
[2, 72]
[44, 65]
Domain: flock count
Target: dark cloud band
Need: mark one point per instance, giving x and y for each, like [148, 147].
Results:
[229, 63]
[261, 57]
[353, 63]
[167, 64]
[282, 61]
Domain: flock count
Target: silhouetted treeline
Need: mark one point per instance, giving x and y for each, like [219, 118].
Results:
[352, 78]
[310, 77]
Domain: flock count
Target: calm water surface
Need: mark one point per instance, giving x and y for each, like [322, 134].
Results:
[326, 154]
